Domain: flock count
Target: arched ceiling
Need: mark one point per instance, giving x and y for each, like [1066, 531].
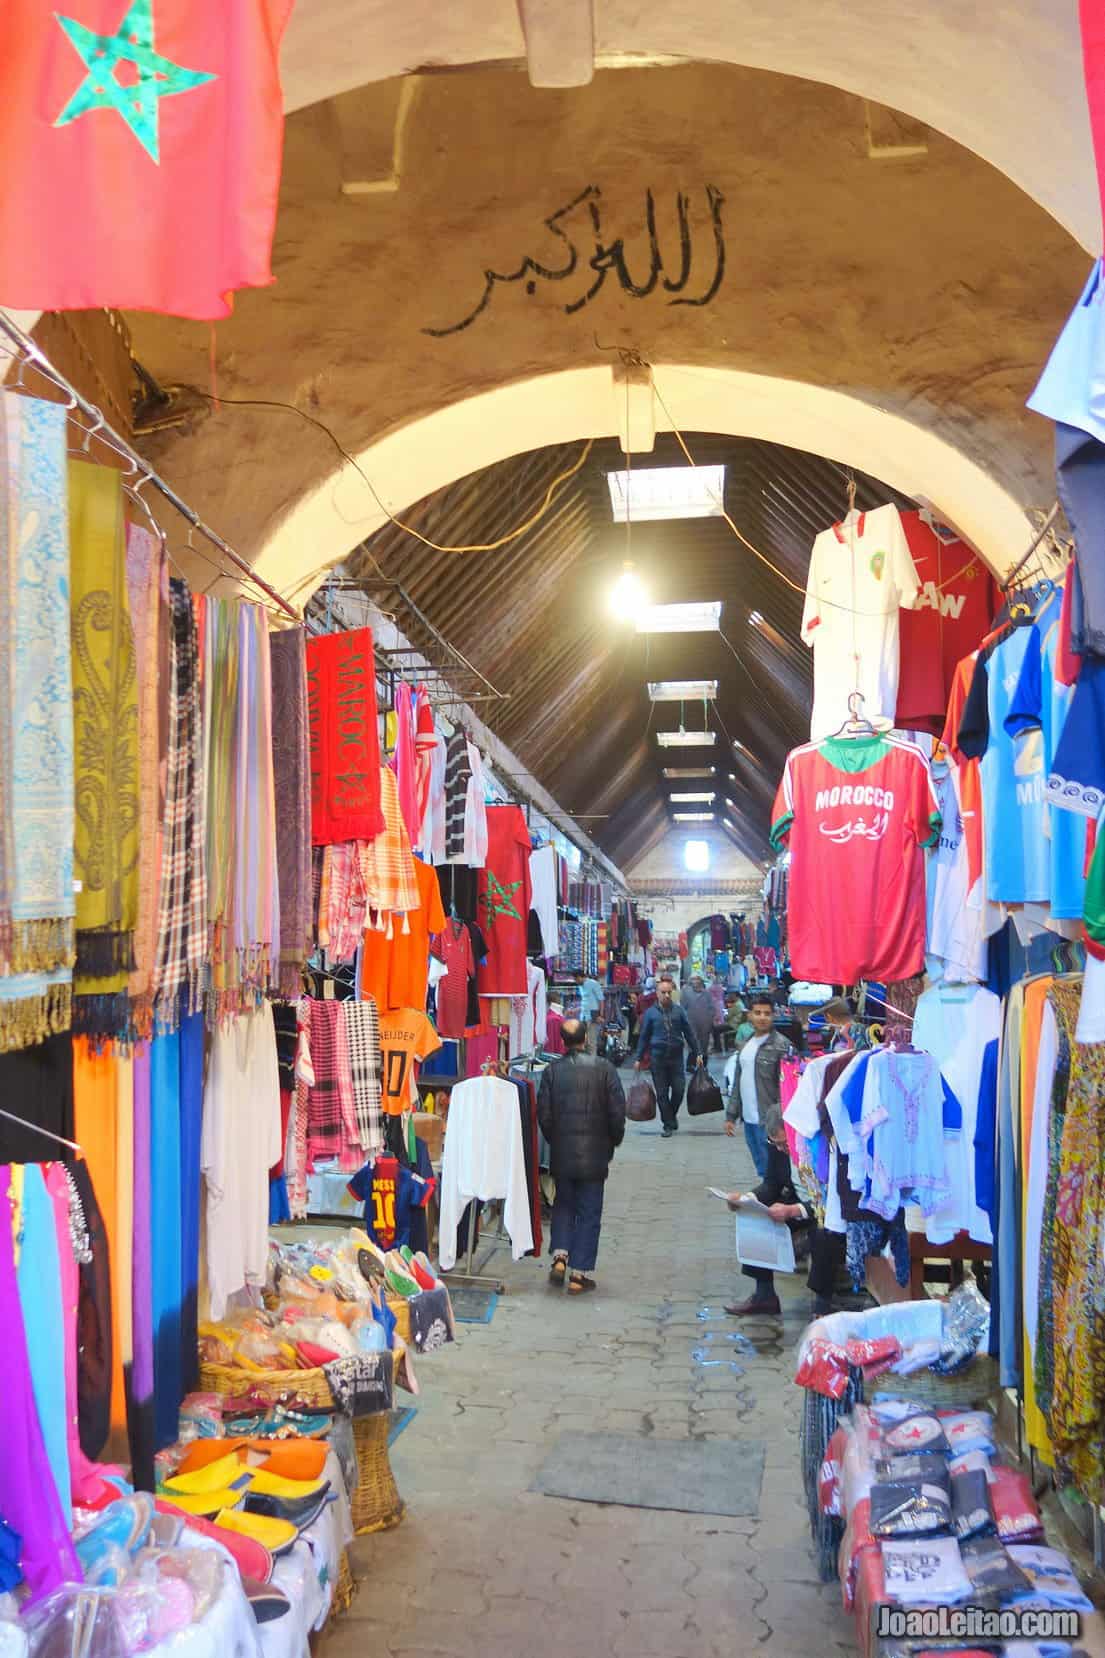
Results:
[1004, 82]
[533, 618]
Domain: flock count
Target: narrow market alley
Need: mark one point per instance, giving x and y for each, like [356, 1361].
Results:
[483, 1563]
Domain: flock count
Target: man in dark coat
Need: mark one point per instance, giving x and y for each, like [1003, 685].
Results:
[581, 1109]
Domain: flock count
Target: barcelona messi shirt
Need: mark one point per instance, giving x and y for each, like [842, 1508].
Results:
[389, 1201]
[856, 814]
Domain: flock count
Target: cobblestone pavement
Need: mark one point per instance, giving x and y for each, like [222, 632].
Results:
[484, 1566]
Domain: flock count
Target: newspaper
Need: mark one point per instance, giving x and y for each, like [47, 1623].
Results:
[761, 1240]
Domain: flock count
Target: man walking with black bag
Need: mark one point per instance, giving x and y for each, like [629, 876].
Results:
[664, 1030]
[581, 1110]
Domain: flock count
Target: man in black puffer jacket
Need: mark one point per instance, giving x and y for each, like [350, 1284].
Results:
[581, 1109]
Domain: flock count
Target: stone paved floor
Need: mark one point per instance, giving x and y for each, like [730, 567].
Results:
[484, 1566]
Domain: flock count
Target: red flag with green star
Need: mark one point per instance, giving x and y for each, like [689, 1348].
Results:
[141, 143]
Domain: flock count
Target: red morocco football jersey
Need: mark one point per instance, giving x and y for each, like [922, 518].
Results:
[857, 815]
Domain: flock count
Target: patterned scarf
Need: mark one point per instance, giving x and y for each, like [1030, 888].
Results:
[344, 889]
[36, 726]
[328, 1098]
[105, 710]
[255, 907]
[220, 703]
[457, 774]
[291, 763]
[182, 905]
[345, 743]
[146, 583]
[362, 1023]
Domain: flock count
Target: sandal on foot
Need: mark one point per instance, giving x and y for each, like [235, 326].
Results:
[579, 1285]
[558, 1271]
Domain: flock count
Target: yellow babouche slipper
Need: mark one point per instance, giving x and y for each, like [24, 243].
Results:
[211, 1476]
[205, 1504]
[275, 1535]
[278, 1485]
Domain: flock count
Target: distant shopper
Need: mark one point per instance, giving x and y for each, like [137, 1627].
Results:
[590, 1005]
[698, 1005]
[581, 1110]
[737, 1025]
[755, 1095]
[665, 1029]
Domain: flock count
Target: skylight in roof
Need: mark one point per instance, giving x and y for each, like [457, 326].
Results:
[686, 739]
[679, 618]
[689, 771]
[666, 492]
[693, 817]
[696, 856]
[682, 690]
[689, 797]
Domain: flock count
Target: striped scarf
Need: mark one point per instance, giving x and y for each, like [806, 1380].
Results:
[362, 1024]
[457, 774]
[36, 726]
[182, 904]
[291, 762]
[146, 581]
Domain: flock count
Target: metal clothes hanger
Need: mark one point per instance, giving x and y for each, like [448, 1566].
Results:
[48, 1132]
[857, 724]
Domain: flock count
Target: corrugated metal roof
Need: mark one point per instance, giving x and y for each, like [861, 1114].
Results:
[532, 617]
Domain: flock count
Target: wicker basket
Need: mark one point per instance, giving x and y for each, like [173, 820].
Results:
[231, 1379]
[376, 1504]
[973, 1387]
[402, 1311]
[344, 1589]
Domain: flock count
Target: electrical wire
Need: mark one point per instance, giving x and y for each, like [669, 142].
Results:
[408, 529]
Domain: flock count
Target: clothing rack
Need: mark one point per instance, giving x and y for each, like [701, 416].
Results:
[1045, 528]
[47, 1132]
[33, 354]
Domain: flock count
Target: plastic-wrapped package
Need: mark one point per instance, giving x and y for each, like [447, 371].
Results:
[911, 1507]
[925, 1572]
[856, 1543]
[201, 1416]
[920, 1431]
[1015, 1511]
[875, 1355]
[971, 1511]
[968, 1430]
[822, 1367]
[992, 1569]
[75, 1622]
[829, 1478]
[966, 1328]
[1049, 1576]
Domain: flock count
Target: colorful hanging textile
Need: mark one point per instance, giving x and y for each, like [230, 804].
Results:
[95, 1110]
[458, 774]
[291, 760]
[165, 1183]
[197, 97]
[403, 762]
[327, 1098]
[362, 1023]
[345, 741]
[344, 891]
[220, 707]
[504, 899]
[105, 719]
[182, 908]
[391, 883]
[31, 1506]
[38, 1273]
[147, 589]
[255, 897]
[37, 905]
[140, 1386]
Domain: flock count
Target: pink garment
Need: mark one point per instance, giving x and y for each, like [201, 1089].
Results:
[404, 763]
[425, 741]
[554, 1042]
[87, 1478]
[478, 1050]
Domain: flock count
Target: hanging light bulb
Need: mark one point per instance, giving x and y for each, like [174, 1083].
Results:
[628, 596]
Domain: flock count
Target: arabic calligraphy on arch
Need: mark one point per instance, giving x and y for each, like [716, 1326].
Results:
[581, 219]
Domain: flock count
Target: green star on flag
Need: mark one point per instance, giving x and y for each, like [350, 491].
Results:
[156, 78]
[499, 898]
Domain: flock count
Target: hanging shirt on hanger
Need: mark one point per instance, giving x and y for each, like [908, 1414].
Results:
[542, 874]
[861, 573]
[957, 1024]
[957, 599]
[475, 812]
[1018, 864]
[405, 1036]
[453, 946]
[857, 814]
[394, 970]
[484, 1158]
[956, 941]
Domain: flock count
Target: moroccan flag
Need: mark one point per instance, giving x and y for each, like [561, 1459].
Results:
[504, 897]
[141, 143]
